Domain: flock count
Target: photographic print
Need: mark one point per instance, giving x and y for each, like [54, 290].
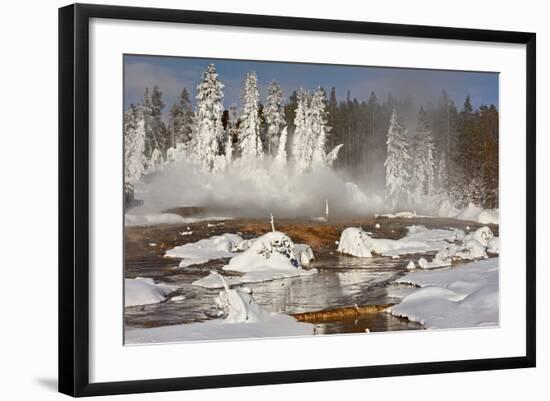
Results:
[275, 199]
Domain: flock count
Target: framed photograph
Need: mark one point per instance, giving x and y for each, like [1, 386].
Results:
[250, 199]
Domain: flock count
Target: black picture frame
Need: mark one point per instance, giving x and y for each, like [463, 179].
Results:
[74, 198]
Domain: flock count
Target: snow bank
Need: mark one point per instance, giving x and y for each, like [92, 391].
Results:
[152, 219]
[242, 318]
[144, 291]
[470, 213]
[399, 215]
[463, 296]
[356, 242]
[215, 247]
[474, 246]
[146, 216]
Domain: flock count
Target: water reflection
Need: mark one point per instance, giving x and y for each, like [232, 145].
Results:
[341, 282]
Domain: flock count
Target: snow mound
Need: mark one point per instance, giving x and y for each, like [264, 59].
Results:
[464, 296]
[204, 250]
[356, 242]
[304, 253]
[470, 213]
[269, 257]
[272, 250]
[152, 219]
[488, 217]
[144, 291]
[482, 235]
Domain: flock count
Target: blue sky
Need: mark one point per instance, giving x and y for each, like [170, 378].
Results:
[171, 74]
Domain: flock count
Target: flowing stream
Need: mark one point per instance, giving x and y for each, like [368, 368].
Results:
[342, 281]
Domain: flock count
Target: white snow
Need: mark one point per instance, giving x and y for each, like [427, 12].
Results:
[144, 291]
[482, 235]
[272, 250]
[474, 246]
[269, 257]
[304, 253]
[470, 213]
[354, 241]
[419, 239]
[148, 219]
[215, 247]
[400, 215]
[243, 318]
[463, 296]
[142, 216]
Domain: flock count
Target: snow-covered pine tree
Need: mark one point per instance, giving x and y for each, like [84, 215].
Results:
[158, 126]
[397, 162]
[423, 159]
[209, 129]
[134, 145]
[232, 129]
[442, 182]
[302, 144]
[274, 117]
[250, 142]
[319, 127]
[157, 160]
[181, 120]
[280, 158]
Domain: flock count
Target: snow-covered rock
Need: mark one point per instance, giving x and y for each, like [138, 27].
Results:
[215, 247]
[411, 266]
[271, 250]
[463, 296]
[488, 217]
[270, 257]
[354, 241]
[482, 235]
[470, 213]
[144, 291]
[304, 253]
[470, 249]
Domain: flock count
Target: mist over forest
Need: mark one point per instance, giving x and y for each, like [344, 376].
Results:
[293, 150]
